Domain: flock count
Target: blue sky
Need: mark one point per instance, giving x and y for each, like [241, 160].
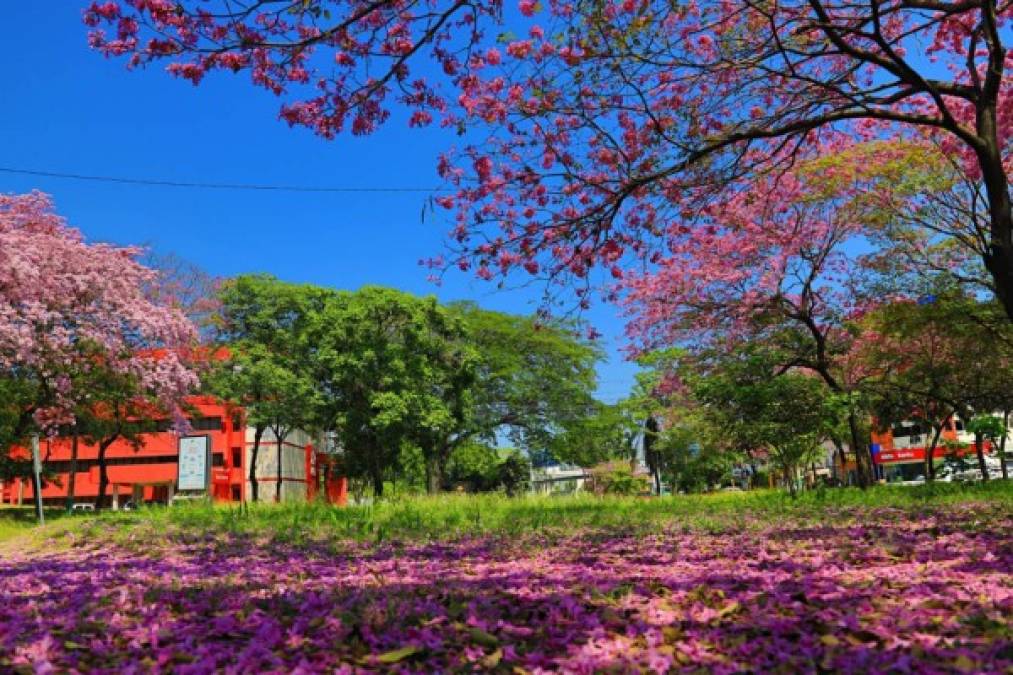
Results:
[67, 109]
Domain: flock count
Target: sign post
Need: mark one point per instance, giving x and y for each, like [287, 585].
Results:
[194, 463]
[37, 479]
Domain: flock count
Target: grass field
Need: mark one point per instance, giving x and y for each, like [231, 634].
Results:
[454, 516]
[888, 580]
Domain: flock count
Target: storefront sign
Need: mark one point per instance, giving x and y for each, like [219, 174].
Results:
[918, 454]
[897, 456]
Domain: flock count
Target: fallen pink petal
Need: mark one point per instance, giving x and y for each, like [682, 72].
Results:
[874, 593]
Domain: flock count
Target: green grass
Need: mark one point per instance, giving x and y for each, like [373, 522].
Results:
[20, 521]
[457, 516]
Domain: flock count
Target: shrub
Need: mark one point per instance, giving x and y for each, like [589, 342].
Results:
[514, 474]
[616, 478]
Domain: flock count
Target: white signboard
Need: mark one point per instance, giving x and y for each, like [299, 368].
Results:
[194, 462]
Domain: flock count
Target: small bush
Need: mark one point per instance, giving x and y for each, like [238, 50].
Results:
[616, 478]
[514, 474]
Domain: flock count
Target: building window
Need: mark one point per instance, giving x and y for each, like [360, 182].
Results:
[237, 495]
[217, 459]
[237, 421]
[237, 457]
[207, 424]
[905, 430]
[85, 465]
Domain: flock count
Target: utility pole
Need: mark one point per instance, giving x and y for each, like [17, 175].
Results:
[37, 479]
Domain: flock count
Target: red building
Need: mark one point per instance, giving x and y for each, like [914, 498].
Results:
[150, 472]
[900, 451]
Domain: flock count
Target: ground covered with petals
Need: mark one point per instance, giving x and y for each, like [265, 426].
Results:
[869, 591]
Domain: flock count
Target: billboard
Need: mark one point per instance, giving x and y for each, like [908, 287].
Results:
[194, 463]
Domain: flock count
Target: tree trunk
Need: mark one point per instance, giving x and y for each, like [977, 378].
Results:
[863, 458]
[71, 479]
[377, 483]
[837, 465]
[434, 475]
[999, 258]
[103, 471]
[258, 433]
[930, 452]
[280, 438]
[980, 452]
[1002, 444]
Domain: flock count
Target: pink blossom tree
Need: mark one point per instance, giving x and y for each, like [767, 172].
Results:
[607, 121]
[73, 311]
[777, 266]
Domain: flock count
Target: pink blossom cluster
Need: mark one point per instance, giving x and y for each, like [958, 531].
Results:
[872, 591]
[770, 254]
[596, 156]
[601, 125]
[345, 71]
[67, 305]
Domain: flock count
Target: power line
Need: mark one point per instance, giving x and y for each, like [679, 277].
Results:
[210, 186]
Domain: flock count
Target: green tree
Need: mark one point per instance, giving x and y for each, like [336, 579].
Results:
[534, 379]
[662, 413]
[946, 355]
[789, 414]
[985, 427]
[394, 368]
[606, 432]
[617, 478]
[690, 454]
[266, 326]
[116, 410]
[475, 464]
[118, 406]
[18, 396]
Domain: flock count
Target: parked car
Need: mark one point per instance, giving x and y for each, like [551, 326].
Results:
[945, 475]
[82, 507]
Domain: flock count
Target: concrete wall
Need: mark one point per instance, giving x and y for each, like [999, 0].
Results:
[293, 465]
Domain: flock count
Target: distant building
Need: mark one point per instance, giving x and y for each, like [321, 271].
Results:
[151, 472]
[899, 452]
[558, 479]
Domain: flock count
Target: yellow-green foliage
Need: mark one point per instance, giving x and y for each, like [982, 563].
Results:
[873, 179]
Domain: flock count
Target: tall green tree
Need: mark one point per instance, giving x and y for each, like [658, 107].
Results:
[117, 409]
[607, 431]
[266, 325]
[18, 396]
[534, 379]
[394, 369]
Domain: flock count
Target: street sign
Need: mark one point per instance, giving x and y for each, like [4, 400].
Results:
[194, 463]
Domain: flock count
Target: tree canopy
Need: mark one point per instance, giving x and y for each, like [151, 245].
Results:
[395, 369]
[73, 313]
[605, 127]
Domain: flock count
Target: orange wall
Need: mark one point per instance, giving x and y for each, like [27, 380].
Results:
[228, 477]
[156, 445]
